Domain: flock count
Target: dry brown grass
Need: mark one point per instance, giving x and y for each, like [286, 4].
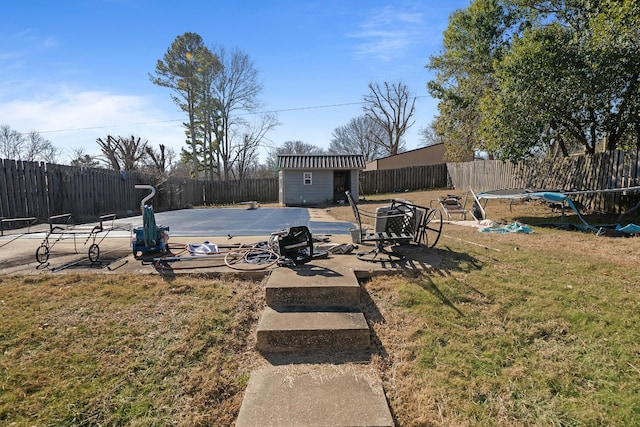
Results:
[123, 350]
[513, 329]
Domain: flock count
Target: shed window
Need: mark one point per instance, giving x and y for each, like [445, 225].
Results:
[306, 178]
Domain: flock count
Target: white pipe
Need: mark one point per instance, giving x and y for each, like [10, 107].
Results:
[148, 197]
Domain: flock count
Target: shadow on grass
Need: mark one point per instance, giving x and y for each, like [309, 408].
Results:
[451, 261]
[572, 222]
[455, 261]
[428, 285]
[373, 315]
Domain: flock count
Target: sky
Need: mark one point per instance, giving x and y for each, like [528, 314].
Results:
[78, 70]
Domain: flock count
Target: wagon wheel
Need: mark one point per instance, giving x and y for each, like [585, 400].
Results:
[430, 229]
[42, 254]
[94, 253]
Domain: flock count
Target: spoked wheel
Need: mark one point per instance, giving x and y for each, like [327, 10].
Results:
[429, 232]
[94, 253]
[42, 254]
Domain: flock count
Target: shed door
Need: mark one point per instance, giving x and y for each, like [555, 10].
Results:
[341, 183]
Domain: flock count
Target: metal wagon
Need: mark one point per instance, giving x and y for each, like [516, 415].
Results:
[61, 228]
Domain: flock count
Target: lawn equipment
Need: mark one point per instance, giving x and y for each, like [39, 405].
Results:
[150, 237]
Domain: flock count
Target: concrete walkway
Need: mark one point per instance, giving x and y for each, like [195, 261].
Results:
[314, 311]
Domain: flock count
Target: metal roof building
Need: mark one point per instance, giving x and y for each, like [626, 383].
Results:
[315, 179]
[333, 161]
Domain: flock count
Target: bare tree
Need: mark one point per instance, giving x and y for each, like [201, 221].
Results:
[356, 138]
[390, 106]
[237, 90]
[11, 143]
[39, 148]
[82, 159]
[291, 147]
[429, 136]
[122, 153]
[246, 154]
[31, 147]
[159, 161]
[109, 150]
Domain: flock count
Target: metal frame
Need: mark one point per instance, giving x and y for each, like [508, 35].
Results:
[405, 222]
[61, 226]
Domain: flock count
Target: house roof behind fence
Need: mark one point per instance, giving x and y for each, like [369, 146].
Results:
[324, 161]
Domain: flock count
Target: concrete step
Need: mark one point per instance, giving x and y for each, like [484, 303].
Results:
[303, 331]
[314, 395]
[310, 286]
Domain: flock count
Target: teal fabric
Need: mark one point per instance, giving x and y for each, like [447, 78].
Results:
[516, 227]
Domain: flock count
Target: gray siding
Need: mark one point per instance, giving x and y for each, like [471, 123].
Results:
[355, 181]
[294, 192]
[281, 187]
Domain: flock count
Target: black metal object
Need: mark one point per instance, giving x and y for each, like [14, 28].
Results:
[296, 244]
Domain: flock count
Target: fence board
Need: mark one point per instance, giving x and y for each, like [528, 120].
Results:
[12, 190]
[4, 194]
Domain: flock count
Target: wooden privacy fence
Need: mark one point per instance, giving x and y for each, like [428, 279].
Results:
[229, 192]
[409, 178]
[40, 190]
[610, 170]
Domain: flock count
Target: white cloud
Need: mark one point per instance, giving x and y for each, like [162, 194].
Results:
[74, 119]
[388, 33]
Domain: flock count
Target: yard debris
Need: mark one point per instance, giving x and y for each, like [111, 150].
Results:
[286, 247]
[515, 227]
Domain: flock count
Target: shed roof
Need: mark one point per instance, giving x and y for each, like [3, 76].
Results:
[321, 161]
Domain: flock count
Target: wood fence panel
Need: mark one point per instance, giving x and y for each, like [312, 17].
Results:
[24, 181]
[52, 183]
[12, 189]
[4, 192]
[601, 161]
[10, 193]
[41, 182]
[409, 178]
[264, 190]
[42, 189]
[595, 172]
[30, 189]
[34, 199]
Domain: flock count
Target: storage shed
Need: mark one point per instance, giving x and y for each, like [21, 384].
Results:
[312, 180]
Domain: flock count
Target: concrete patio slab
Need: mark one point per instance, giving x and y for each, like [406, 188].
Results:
[311, 285]
[315, 395]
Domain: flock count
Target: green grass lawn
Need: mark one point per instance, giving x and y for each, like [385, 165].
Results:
[517, 332]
